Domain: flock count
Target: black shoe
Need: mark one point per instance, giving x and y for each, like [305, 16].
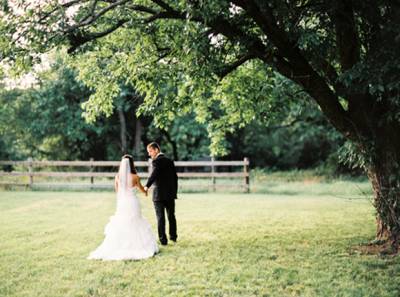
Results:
[174, 240]
[164, 242]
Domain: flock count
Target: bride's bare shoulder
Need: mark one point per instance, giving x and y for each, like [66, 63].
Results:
[135, 178]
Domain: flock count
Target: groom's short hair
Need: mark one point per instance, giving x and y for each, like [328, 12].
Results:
[154, 145]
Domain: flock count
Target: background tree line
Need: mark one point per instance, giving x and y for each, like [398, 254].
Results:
[46, 121]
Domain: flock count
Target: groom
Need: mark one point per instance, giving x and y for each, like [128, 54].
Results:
[165, 182]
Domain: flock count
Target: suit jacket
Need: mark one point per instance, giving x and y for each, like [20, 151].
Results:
[164, 179]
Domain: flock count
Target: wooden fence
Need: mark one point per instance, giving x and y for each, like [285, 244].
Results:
[32, 172]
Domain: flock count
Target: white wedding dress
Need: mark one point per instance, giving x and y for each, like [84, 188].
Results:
[128, 236]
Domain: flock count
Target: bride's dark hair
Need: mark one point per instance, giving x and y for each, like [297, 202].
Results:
[131, 164]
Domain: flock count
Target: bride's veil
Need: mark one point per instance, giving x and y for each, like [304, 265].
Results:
[125, 181]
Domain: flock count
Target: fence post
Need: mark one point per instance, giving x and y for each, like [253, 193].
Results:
[30, 170]
[247, 174]
[91, 170]
[212, 174]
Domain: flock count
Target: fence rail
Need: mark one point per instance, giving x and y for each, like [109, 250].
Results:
[211, 173]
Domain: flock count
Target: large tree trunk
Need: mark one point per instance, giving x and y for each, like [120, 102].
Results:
[384, 174]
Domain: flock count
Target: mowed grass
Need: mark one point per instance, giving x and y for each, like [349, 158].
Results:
[270, 244]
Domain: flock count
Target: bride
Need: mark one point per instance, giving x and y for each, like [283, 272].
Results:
[127, 235]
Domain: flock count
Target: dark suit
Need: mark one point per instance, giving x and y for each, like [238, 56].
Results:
[165, 182]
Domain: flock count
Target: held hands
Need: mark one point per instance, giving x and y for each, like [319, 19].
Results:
[146, 189]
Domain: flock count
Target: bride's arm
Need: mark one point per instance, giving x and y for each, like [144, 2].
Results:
[116, 183]
[138, 184]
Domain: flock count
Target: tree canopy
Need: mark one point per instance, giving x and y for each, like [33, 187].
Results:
[223, 60]
[45, 122]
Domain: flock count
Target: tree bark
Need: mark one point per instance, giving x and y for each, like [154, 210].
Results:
[172, 142]
[138, 138]
[384, 174]
[123, 137]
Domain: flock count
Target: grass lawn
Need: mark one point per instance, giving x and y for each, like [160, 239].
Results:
[277, 243]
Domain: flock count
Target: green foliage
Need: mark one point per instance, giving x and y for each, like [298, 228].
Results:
[189, 137]
[302, 144]
[351, 156]
[181, 82]
[292, 133]
[47, 122]
[215, 59]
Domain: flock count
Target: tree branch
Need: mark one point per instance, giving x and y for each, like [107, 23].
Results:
[78, 38]
[71, 3]
[346, 34]
[88, 20]
[292, 64]
[163, 5]
[92, 10]
[224, 71]
[141, 8]
[65, 5]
